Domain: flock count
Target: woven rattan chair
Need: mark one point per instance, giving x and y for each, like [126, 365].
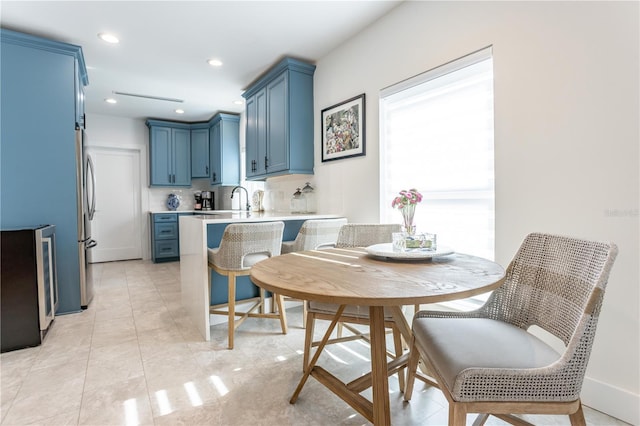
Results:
[485, 361]
[350, 236]
[314, 234]
[366, 234]
[242, 246]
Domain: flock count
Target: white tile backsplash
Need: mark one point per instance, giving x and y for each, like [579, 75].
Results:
[277, 197]
[158, 196]
[279, 190]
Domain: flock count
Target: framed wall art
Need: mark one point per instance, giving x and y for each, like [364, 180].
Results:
[343, 127]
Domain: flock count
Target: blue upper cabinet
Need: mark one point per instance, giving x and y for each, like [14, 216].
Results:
[200, 151]
[181, 151]
[279, 133]
[41, 104]
[169, 153]
[224, 134]
[256, 134]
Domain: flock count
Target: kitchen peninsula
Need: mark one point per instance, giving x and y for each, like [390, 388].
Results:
[200, 232]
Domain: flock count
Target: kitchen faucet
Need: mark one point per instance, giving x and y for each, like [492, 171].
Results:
[246, 192]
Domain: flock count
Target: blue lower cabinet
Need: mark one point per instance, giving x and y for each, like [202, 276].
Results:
[166, 250]
[165, 237]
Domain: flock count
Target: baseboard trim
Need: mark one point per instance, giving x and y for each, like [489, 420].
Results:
[611, 400]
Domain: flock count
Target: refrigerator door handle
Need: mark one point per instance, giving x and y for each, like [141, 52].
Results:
[91, 171]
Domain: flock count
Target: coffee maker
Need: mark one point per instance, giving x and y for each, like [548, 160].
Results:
[207, 200]
[198, 203]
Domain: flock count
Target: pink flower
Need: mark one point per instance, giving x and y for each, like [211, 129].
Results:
[406, 198]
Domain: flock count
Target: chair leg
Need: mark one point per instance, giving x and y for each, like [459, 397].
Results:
[232, 307]
[481, 419]
[304, 313]
[308, 340]
[262, 297]
[412, 367]
[577, 418]
[282, 312]
[397, 342]
[457, 415]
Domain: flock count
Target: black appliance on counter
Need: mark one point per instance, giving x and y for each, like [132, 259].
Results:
[28, 284]
[207, 200]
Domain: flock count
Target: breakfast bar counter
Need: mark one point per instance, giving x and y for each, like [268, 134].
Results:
[199, 232]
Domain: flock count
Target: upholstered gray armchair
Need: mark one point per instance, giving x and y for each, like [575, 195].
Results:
[485, 361]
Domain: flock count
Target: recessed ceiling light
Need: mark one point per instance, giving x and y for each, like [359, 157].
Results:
[215, 62]
[111, 101]
[179, 111]
[238, 102]
[109, 38]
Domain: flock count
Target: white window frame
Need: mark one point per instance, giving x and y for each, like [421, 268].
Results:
[480, 195]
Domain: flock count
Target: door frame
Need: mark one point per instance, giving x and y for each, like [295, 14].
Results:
[143, 189]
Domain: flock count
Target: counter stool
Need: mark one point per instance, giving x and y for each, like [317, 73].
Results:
[242, 246]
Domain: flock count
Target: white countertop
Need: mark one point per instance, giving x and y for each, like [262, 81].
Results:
[230, 216]
[191, 211]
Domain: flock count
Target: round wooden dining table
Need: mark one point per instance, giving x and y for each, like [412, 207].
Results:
[351, 276]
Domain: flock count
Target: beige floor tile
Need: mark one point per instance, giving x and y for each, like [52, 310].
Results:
[206, 414]
[46, 393]
[121, 403]
[183, 397]
[113, 364]
[151, 320]
[118, 311]
[158, 337]
[67, 418]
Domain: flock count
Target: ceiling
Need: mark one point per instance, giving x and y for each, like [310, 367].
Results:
[164, 46]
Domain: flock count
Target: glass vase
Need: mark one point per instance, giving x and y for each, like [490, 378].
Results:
[407, 215]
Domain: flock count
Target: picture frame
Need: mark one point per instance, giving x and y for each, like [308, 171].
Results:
[343, 129]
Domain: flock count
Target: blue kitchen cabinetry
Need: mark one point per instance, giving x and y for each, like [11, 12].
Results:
[200, 151]
[224, 137]
[169, 153]
[181, 151]
[279, 132]
[165, 236]
[41, 104]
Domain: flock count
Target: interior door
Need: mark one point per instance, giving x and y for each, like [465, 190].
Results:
[116, 222]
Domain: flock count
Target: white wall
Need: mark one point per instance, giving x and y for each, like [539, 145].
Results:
[566, 138]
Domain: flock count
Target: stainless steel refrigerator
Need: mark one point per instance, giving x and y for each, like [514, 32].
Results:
[86, 199]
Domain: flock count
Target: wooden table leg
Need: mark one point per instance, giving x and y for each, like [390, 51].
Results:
[380, 380]
[401, 322]
[316, 355]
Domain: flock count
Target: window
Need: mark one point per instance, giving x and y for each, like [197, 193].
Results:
[437, 136]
